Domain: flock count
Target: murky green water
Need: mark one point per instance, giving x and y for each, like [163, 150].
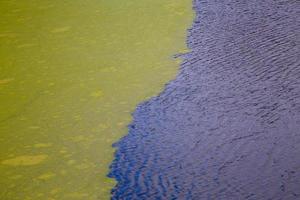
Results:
[71, 72]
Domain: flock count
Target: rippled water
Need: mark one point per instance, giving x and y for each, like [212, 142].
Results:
[70, 74]
[228, 126]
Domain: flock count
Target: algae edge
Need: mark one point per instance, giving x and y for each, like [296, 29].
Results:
[178, 57]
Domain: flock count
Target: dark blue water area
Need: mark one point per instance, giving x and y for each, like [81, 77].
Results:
[228, 126]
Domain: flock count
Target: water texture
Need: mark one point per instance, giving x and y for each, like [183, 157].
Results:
[228, 126]
[71, 72]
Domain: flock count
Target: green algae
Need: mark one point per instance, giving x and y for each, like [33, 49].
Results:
[71, 74]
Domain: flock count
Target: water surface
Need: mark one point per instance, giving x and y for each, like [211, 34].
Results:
[71, 73]
[227, 128]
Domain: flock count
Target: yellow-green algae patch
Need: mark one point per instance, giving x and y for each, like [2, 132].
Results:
[24, 160]
[71, 72]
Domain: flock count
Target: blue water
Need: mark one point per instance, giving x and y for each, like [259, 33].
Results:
[228, 126]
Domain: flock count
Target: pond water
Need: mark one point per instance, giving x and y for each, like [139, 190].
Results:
[71, 72]
[227, 127]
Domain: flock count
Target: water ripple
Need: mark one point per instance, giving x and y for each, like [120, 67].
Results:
[228, 126]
